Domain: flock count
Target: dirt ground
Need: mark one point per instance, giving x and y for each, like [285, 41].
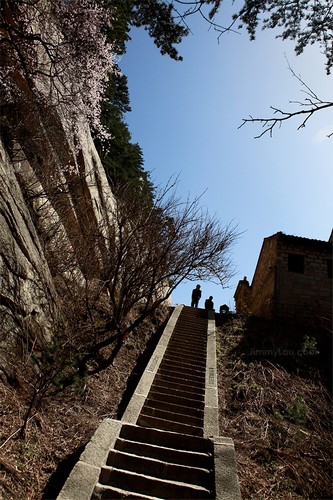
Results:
[280, 422]
[35, 467]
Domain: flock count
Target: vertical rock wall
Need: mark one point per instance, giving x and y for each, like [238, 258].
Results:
[55, 200]
[27, 296]
[51, 197]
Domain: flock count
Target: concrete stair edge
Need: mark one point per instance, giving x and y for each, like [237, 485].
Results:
[158, 468]
[159, 483]
[100, 489]
[183, 457]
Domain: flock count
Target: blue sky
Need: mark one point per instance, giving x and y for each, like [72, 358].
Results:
[185, 116]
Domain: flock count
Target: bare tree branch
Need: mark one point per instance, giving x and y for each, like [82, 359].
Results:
[148, 252]
[311, 105]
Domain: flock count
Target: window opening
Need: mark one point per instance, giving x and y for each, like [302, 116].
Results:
[295, 263]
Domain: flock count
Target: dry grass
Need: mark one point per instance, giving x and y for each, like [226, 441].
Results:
[35, 467]
[280, 423]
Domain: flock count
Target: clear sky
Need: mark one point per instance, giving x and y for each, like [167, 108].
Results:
[185, 116]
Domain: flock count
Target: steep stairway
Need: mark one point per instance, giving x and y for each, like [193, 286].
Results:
[165, 455]
[167, 444]
[177, 397]
[153, 463]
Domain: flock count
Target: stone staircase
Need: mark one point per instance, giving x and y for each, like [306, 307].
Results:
[164, 446]
[176, 400]
[150, 463]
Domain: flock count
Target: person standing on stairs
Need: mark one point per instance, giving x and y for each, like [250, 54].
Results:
[196, 296]
[209, 304]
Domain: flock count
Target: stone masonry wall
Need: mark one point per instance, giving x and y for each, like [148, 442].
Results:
[262, 295]
[283, 287]
[306, 295]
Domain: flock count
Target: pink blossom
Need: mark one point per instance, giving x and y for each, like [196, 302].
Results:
[57, 51]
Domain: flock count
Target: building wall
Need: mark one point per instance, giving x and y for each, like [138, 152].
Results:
[293, 279]
[306, 294]
[262, 301]
[242, 296]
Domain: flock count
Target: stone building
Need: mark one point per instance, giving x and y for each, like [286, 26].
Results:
[293, 279]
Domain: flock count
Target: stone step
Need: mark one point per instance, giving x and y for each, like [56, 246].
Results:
[110, 493]
[175, 417]
[174, 372]
[177, 368]
[198, 330]
[182, 457]
[188, 319]
[160, 469]
[191, 318]
[197, 342]
[194, 327]
[193, 337]
[165, 382]
[166, 439]
[186, 381]
[188, 352]
[183, 347]
[188, 339]
[196, 380]
[174, 408]
[174, 391]
[147, 485]
[177, 400]
[185, 360]
[185, 354]
[195, 312]
[168, 425]
[194, 323]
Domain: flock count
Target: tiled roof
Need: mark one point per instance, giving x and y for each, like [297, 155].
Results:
[300, 240]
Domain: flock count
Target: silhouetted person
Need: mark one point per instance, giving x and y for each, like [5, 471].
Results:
[196, 296]
[209, 304]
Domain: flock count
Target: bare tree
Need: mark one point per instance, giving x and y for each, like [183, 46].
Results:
[148, 252]
[304, 23]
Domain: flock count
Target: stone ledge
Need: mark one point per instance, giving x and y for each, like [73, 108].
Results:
[211, 414]
[226, 478]
[83, 479]
[134, 407]
[86, 471]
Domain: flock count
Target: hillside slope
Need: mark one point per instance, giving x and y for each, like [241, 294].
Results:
[280, 421]
[275, 406]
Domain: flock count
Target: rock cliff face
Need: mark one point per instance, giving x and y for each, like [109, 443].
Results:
[54, 197]
[27, 295]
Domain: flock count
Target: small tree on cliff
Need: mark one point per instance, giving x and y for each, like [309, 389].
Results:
[144, 253]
